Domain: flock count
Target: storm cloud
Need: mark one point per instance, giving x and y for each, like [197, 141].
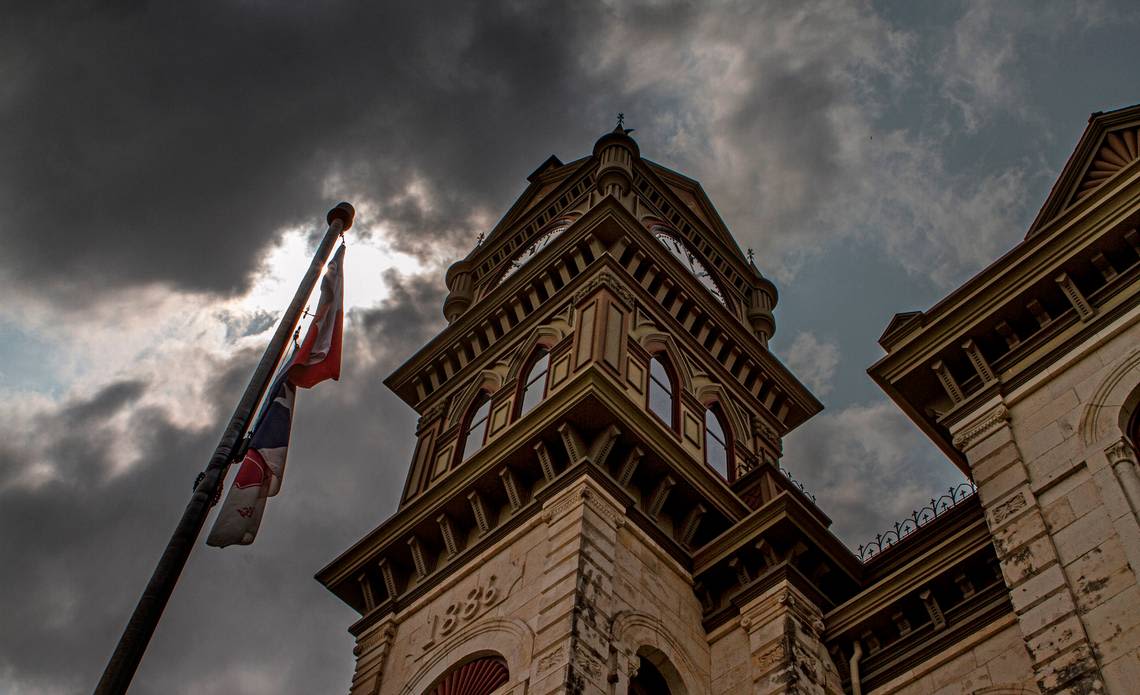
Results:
[161, 164]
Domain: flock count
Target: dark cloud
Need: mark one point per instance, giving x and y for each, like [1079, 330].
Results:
[167, 143]
[79, 547]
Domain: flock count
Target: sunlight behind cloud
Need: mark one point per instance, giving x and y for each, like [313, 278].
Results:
[366, 260]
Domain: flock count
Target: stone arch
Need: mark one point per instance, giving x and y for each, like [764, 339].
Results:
[715, 393]
[663, 342]
[546, 336]
[1106, 417]
[510, 639]
[664, 668]
[638, 634]
[488, 380]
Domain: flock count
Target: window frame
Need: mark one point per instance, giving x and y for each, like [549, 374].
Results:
[674, 402]
[539, 353]
[483, 398]
[717, 412]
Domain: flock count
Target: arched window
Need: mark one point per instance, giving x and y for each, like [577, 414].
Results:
[475, 434]
[717, 443]
[661, 391]
[479, 677]
[534, 386]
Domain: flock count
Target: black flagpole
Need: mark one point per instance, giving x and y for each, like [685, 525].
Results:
[125, 661]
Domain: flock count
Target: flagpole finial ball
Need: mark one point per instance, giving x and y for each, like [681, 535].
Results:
[343, 212]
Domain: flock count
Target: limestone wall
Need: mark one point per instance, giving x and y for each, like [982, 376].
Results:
[569, 599]
[1055, 475]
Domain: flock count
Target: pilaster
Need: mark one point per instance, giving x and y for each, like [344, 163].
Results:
[572, 638]
[784, 637]
[1063, 657]
[371, 652]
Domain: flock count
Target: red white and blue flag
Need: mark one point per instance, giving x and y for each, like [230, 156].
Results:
[315, 360]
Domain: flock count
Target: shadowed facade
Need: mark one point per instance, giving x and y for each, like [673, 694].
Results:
[595, 503]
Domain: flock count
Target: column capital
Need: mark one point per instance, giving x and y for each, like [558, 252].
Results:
[980, 427]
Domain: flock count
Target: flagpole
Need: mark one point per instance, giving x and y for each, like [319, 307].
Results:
[128, 653]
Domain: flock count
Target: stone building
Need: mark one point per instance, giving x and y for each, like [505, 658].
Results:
[595, 503]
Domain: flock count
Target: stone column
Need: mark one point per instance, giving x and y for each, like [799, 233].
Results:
[784, 636]
[572, 640]
[1046, 608]
[1122, 458]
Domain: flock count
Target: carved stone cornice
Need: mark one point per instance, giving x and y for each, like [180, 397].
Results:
[992, 420]
[585, 495]
[609, 281]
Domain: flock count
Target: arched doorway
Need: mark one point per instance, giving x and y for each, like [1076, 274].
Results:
[648, 680]
[655, 675]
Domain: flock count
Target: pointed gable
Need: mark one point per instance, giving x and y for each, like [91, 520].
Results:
[901, 324]
[691, 197]
[1117, 150]
[1109, 145]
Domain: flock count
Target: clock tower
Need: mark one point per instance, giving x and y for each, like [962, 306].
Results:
[595, 503]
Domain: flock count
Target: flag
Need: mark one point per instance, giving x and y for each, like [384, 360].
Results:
[263, 467]
[318, 357]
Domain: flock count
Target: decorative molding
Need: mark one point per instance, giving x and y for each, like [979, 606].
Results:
[660, 494]
[947, 380]
[546, 336]
[1007, 509]
[551, 661]
[479, 512]
[1120, 451]
[584, 495]
[978, 360]
[476, 602]
[373, 649]
[937, 617]
[1075, 297]
[510, 486]
[509, 637]
[1103, 409]
[418, 558]
[448, 533]
[545, 462]
[989, 422]
[609, 281]
[629, 467]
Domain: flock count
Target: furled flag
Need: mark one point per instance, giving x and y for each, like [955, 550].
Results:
[259, 476]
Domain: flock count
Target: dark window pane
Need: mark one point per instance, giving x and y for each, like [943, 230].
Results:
[534, 390]
[660, 392]
[716, 444]
[477, 430]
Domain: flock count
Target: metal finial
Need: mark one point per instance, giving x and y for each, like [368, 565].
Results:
[621, 121]
[751, 256]
[479, 239]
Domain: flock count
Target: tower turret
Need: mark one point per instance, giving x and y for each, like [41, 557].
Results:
[599, 411]
[616, 152]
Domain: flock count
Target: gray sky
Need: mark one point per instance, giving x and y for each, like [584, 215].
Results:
[164, 171]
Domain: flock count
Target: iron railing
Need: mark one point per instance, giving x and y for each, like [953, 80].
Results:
[917, 519]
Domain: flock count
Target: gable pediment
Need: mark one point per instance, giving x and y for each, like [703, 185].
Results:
[1109, 145]
[901, 324]
[1117, 150]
